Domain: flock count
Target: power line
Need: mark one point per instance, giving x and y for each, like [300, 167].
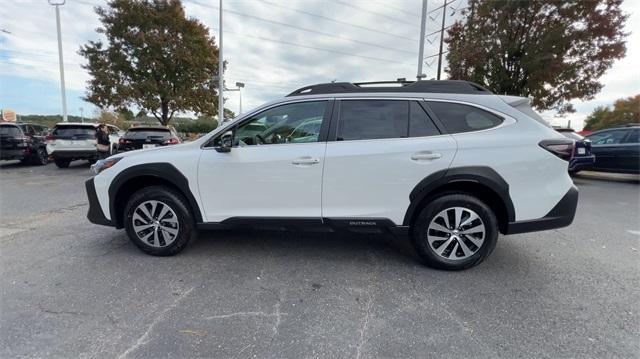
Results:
[400, 9]
[402, 21]
[305, 29]
[340, 21]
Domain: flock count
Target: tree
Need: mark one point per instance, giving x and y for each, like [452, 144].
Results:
[154, 58]
[625, 111]
[553, 51]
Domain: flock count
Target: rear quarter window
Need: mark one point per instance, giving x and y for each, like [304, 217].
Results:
[459, 118]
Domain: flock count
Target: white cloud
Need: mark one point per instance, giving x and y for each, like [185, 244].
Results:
[261, 53]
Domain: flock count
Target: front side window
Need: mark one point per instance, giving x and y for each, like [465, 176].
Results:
[612, 137]
[292, 123]
[458, 118]
[373, 119]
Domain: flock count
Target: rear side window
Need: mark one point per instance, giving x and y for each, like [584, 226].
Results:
[9, 131]
[373, 119]
[420, 124]
[74, 131]
[633, 137]
[458, 118]
[612, 137]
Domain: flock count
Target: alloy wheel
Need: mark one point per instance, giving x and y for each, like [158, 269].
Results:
[456, 233]
[155, 223]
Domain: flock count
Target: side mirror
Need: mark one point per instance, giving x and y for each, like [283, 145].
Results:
[226, 142]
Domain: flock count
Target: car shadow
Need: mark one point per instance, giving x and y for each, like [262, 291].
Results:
[583, 178]
[339, 247]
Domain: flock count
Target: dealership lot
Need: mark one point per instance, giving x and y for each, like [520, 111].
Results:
[73, 289]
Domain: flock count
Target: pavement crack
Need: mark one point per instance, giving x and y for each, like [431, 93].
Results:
[363, 330]
[143, 339]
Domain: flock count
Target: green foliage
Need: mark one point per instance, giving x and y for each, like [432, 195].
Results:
[552, 51]
[154, 58]
[625, 111]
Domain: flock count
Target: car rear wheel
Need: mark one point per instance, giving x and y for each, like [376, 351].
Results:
[158, 221]
[62, 163]
[454, 232]
[41, 157]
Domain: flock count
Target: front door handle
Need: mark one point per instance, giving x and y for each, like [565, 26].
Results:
[425, 156]
[307, 160]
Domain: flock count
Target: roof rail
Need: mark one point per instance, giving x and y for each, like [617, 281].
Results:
[433, 86]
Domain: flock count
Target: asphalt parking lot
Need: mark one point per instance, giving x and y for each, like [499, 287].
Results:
[73, 289]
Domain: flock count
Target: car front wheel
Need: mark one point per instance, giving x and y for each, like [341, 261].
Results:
[454, 232]
[158, 221]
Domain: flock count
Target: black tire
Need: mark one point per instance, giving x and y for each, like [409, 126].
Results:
[61, 163]
[420, 229]
[41, 157]
[573, 173]
[177, 203]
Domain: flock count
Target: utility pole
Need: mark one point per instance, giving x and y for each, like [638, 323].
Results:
[444, 14]
[423, 24]
[57, 4]
[240, 86]
[81, 114]
[220, 74]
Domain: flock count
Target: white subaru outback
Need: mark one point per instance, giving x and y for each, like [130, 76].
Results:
[446, 162]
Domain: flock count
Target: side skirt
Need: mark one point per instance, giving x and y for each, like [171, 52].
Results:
[352, 225]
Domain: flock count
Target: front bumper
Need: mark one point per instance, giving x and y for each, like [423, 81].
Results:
[95, 214]
[561, 215]
[581, 162]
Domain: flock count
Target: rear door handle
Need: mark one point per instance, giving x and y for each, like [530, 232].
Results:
[425, 156]
[307, 160]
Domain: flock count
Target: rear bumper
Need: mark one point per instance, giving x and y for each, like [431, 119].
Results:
[581, 162]
[560, 216]
[95, 214]
[14, 154]
[75, 155]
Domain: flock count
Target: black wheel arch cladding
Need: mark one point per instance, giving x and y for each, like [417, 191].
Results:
[162, 172]
[477, 175]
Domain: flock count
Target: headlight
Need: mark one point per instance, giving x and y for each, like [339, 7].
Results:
[102, 165]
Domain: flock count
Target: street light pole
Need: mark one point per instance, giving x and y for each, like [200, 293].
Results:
[444, 14]
[422, 30]
[57, 4]
[220, 74]
[240, 86]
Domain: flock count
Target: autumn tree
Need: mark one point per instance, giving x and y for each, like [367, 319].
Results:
[154, 58]
[625, 111]
[553, 51]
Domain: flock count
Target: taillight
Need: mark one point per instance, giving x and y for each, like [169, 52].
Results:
[172, 141]
[122, 141]
[563, 148]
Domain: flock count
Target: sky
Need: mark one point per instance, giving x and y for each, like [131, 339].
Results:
[273, 46]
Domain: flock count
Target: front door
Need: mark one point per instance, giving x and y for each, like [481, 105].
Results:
[274, 168]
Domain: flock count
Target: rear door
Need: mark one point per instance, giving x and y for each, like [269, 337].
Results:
[631, 151]
[383, 148]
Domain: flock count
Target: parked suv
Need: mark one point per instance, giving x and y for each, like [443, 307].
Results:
[446, 162]
[142, 137]
[24, 142]
[77, 141]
